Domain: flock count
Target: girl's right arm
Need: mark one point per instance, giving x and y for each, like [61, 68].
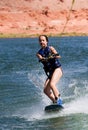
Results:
[40, 57]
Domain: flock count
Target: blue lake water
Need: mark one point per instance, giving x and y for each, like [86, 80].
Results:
[22, 100]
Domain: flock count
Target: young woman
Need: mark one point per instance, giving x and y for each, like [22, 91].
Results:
[48, 56]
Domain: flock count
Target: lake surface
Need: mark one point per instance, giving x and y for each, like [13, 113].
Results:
[22, 100]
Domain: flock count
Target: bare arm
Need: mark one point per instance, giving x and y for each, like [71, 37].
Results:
[53, 50]
[39, 56]
[43, 59]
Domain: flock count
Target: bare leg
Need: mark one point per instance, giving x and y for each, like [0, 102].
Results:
[54, 80]
[50, 88]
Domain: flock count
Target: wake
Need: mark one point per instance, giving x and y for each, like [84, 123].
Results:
[77, 105]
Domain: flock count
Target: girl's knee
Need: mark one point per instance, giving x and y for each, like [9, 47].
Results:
[52, 84]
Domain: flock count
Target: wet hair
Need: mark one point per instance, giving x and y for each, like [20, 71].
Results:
[45, 37]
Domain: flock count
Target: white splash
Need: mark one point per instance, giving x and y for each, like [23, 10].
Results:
[79, 105]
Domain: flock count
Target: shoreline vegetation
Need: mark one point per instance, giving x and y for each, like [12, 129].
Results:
[35, 35]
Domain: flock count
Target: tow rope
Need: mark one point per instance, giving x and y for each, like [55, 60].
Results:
[73, 1]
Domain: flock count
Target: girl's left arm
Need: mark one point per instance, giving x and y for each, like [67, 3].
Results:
[53, 50]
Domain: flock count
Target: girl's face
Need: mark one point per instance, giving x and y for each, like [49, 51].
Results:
[43, 42]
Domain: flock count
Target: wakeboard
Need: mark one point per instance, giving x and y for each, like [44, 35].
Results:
[54, 107]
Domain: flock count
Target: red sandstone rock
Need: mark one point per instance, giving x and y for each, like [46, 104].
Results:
[42, 16]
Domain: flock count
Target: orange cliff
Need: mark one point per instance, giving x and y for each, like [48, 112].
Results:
[33, 17]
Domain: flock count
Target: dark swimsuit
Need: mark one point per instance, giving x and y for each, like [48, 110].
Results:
[51, 64]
